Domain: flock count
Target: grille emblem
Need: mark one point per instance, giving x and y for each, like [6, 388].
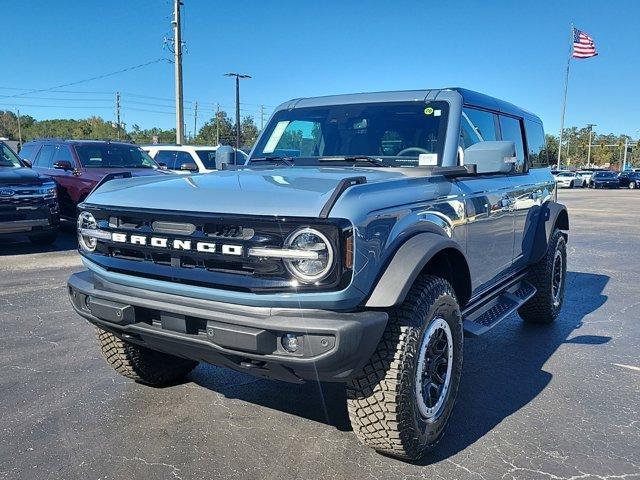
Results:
[7, 192]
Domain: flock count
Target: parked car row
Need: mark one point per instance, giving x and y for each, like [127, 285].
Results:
[596, 179]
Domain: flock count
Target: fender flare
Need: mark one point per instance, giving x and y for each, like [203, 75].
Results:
[405, 266]
[541, 223]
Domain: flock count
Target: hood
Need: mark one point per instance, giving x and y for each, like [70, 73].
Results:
[19, 176]
[292, 191]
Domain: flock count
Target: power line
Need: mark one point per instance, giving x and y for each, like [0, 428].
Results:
[98, 77]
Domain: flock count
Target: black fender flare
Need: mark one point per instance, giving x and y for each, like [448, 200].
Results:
[407, 263]
[541, 223]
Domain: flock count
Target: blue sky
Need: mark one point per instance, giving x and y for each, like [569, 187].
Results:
[515, 50]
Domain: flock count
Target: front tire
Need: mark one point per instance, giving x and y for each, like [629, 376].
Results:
[549, 278]
[140, 363]
[632, 186]
[401, 401]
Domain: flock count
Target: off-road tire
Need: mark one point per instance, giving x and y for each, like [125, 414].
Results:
[542, 307]
[140, 363]
[382, 399]
[44, 238]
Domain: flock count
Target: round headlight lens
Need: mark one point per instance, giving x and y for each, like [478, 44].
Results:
[87, 221]
[312, 269]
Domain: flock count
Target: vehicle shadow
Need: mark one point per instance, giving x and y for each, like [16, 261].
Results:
[21, 245]
[503, 372]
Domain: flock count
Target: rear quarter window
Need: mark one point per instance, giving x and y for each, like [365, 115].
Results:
[536, 144]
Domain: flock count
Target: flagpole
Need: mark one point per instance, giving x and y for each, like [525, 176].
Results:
[564, 103]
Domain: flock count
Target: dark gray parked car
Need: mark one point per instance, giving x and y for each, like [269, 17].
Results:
[365, 235]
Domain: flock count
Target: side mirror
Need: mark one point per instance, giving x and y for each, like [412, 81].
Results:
[191, 167]
[225, 156]
[63, 165]
[491, 156]
[162, 165]
[27, 163]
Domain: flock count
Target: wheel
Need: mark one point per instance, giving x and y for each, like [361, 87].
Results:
[140, 363]
[44, 238]
[549, 277]
[584, 184]
[401, 401]
[571, 184]
[632, 185]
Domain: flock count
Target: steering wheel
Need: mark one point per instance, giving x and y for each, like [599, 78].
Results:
[404, 152]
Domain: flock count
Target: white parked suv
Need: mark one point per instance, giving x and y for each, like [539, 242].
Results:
[187, 158]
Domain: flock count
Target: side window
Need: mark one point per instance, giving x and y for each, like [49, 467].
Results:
[512, 130]
[476, 126]
[168, 157]
[63, 153]
[45, 157]
[182, 158]
[28, 152]
[538, 156]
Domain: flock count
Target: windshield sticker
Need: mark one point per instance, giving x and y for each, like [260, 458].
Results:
[275, 137]
[437, 113]
[428, 111]
[428, 159]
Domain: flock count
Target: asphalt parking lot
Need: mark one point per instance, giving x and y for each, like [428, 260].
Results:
[536, 402]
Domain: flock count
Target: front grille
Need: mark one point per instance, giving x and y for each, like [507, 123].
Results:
[205, 268]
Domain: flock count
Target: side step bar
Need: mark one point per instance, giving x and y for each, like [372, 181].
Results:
[483, 316]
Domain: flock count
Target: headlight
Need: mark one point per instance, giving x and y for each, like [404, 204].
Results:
[48, 190]
[313, 269]
[87, 222]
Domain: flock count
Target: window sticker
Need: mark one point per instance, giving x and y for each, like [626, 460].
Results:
[428, 159]
[275, 137]
[437, 113]
[428, 111]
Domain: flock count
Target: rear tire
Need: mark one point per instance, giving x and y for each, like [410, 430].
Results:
[44, 239]
[401, 401]
[140, 363]
[549, 278]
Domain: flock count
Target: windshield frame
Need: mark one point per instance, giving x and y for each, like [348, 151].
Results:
[15, 160]
[447, 111]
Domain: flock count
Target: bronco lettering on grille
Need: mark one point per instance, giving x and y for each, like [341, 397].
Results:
[176, 244]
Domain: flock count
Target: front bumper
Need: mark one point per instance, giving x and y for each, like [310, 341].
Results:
[333, 345]
[29, 220]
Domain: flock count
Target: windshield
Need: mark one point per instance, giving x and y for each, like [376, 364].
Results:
[401, 134]
[208, 158]
[8, 158]
[108, 155]
[605, 174]
[564, 174]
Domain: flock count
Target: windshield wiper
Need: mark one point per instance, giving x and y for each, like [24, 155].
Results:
[288, 161]
[356, 158]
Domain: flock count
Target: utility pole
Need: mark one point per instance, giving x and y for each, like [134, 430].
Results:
[217, 124]
[590, 127]
[261, 117]
[238, 77]
[195, 120]
[118, 115]
[19, 130]
[177, 61]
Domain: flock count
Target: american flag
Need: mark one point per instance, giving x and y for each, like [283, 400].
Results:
[583, 46]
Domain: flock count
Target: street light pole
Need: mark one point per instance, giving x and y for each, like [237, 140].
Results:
[238, 77]
[177, 60]
[590, 127]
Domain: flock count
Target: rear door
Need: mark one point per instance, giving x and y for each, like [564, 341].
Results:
[489, 205]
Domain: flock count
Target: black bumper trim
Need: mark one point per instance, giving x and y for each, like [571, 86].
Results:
[334, 345]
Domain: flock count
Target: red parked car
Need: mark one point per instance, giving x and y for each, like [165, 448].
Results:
[78, 165]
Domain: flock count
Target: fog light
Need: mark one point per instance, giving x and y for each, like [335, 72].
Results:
[290, 342]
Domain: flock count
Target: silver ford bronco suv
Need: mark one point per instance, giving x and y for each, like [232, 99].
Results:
[364, 236]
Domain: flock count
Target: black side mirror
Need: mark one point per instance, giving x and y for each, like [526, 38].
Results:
[63, 165]
[27, 163]
[163, 166]
[191, 167]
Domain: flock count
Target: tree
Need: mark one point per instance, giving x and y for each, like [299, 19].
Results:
[248, 132]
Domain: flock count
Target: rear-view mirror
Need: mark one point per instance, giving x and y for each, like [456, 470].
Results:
[225, 156]
[63, 165]
[190, 167]
[491, 156]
